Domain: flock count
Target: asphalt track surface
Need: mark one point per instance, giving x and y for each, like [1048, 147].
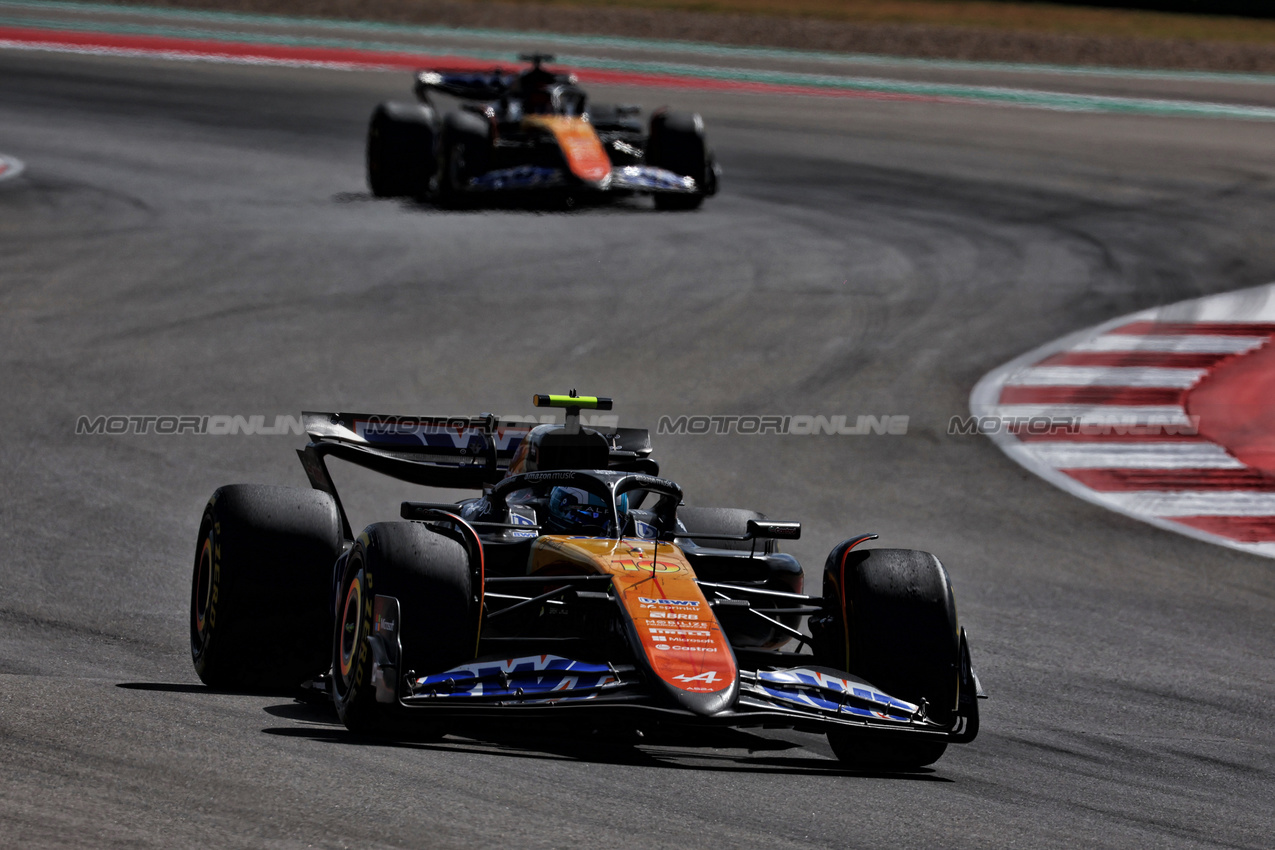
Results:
[197, 239]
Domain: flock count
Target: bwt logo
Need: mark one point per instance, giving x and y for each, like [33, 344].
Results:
[799, 425]
[219, 425]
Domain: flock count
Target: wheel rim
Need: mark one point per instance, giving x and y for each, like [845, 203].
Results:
[351, 620]
[201, 599]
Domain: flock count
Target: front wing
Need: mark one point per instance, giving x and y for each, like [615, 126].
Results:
[807, 698]
[627, 178]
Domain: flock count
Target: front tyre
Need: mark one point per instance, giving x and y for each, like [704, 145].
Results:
[400, 149]
[429, 573]
[259, 612]
[677, 144]
[893, 624]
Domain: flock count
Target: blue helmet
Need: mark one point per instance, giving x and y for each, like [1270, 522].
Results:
[573, 510]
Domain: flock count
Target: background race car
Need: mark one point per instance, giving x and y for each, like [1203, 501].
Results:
[533, 132]
[578, 588]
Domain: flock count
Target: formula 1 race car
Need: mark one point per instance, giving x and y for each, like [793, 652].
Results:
[577, 587]
[532, 132]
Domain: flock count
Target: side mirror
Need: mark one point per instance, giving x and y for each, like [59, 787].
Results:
[765, 529]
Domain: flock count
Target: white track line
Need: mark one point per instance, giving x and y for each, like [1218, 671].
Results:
[1161, 503]
[1105, 376]
[1070, 455]
[10, 167]
[1175, 344]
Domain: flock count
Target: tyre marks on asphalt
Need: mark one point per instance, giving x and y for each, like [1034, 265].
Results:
[1167, 415]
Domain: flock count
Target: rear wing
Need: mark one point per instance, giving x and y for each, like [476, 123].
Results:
[479, 85]
[467, 85]
[460, 452]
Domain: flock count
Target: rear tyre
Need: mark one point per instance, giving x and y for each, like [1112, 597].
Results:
[400, 149]
[894, 625]
[259, 609]
[429, 574]
[677, 143]
[464, 152]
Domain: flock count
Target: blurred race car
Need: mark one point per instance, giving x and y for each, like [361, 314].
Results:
[578, 587]
[533, 131]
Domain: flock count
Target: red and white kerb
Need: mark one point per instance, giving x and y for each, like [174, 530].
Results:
[1167, 415]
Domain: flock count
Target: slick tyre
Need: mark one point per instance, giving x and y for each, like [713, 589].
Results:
[464, 151]
[259, 602]
[430, 575]
[893, 625]
[677, 143]
[400, 149]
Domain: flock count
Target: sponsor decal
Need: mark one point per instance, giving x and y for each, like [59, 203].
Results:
[550, 476]
[655, 630]
[669, 603]
[521, 678]
[811, 689]
[645, 565]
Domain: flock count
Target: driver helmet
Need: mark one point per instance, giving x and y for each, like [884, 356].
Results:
[573, 510]
[538, 102]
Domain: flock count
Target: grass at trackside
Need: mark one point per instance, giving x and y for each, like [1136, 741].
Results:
[1023, 17]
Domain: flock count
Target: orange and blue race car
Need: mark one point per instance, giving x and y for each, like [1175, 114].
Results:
[532, 133]
[578, 588]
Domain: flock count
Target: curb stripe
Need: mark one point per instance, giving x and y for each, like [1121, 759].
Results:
[10, 167]
[1135, 434]
[1071, 395]
[1225, 503]
[1107, 480]
[1098, 376]
[1128, 415]
[1194, 343]
[1137, 357]
[1147, 455]
[1204, 327]
[1188, 483]
[1249, 529]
